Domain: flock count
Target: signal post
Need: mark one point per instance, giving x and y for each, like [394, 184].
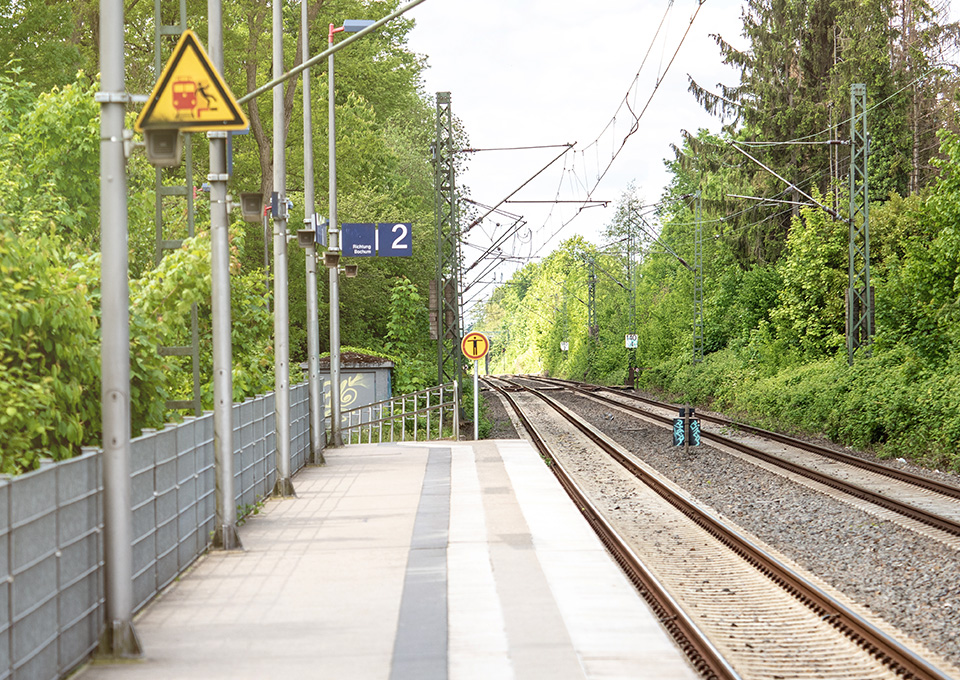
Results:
[475, 346]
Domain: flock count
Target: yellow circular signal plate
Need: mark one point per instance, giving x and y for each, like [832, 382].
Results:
[475, 345]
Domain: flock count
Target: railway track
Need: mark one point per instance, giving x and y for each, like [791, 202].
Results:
[708, 661]
[920, 481]
[930, 502]
[708, 580]
[763, 616]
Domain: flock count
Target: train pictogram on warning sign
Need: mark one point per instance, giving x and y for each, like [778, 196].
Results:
[185, 100]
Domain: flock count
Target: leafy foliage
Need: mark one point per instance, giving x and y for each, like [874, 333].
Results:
[774, 332]
[49, 203]
[406, 338]
[809, 316]
[49, 354]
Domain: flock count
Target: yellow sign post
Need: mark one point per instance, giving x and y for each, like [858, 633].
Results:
[190, 95]
[475, 346]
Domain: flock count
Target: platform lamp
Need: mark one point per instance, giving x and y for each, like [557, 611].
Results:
[332, 257]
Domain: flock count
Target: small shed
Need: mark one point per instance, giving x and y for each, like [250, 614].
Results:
[364, 380]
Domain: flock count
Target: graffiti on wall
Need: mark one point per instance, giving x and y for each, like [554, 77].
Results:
[356, 389]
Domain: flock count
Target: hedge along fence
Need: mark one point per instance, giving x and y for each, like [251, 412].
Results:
[51, 529]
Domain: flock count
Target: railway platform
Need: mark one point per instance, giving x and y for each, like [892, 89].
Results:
[423, 560]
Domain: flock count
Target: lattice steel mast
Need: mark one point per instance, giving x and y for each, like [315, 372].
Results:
[592, 326]
[445, 294]
[698, 282]
[860, 311]
[183, 190]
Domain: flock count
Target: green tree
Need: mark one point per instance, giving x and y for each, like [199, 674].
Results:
[809, 315]
[49, 352]
[795, 76]
[407, 338]
[920, 298]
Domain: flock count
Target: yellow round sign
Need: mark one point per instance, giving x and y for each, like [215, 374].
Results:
[475, 345]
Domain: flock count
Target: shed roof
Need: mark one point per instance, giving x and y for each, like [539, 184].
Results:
[357, 360]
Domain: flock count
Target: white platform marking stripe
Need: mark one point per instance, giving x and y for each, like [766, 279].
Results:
[613, 631]
[478, 648]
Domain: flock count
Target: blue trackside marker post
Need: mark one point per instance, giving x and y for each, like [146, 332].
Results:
[678, 437]
[694, 432]
[686, 429]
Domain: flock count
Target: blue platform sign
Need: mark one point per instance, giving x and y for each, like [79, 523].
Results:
[358, 239]
[396, 239]
[386, 239]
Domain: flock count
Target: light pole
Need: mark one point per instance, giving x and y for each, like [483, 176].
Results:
[310, 257]
[119, 638]
[281, 344]
[332, 259]
[225, 530]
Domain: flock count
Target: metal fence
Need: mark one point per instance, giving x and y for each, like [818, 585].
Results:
[51, 521]
[429, 414]
[51, 568]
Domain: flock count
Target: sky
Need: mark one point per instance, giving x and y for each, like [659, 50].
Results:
[555, 72]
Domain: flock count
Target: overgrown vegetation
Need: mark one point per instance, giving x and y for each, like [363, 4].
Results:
[50, 223]
[775, 274]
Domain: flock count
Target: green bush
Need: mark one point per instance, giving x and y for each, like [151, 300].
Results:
[49, 349]
[891, 403]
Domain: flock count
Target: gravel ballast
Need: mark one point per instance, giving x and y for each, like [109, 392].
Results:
[908, 580]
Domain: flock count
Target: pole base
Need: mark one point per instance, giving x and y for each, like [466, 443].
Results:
[284, 489]
[119, 642]
[227, 538]
[317, 458]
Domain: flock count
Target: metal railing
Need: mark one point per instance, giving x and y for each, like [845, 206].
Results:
[51, 561]
[51, 529]
[420, 416]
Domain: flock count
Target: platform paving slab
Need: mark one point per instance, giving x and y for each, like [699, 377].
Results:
[443, 560]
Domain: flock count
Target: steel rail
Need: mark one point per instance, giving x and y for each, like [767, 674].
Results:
[920, 515]
[902, 659]
[701, 652]
[872, 466]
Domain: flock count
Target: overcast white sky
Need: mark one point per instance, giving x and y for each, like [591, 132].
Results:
[542, 72]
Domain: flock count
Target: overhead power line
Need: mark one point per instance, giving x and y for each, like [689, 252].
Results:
[515, 191]
[833, 213]
[515, 148]
[635, 117]
[842, 123]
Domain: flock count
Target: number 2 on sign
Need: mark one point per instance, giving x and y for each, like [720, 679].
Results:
[398, 243]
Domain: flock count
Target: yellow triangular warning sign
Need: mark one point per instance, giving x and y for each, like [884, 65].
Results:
[190, 94]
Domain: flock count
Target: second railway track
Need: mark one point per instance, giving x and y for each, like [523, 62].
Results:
[766, 617]
[930, 502]
[769, 636]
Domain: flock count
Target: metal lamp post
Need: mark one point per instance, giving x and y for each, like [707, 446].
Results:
[332, 261]
[119, 639]
[309, 210]
[225, 531]
[281, 345]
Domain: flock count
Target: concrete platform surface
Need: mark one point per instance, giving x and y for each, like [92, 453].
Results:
[400, 561]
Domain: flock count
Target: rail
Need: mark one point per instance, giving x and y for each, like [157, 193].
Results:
[880, 498]
[418, 416]
[904, 661]
[703, 655]
[864, 464]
